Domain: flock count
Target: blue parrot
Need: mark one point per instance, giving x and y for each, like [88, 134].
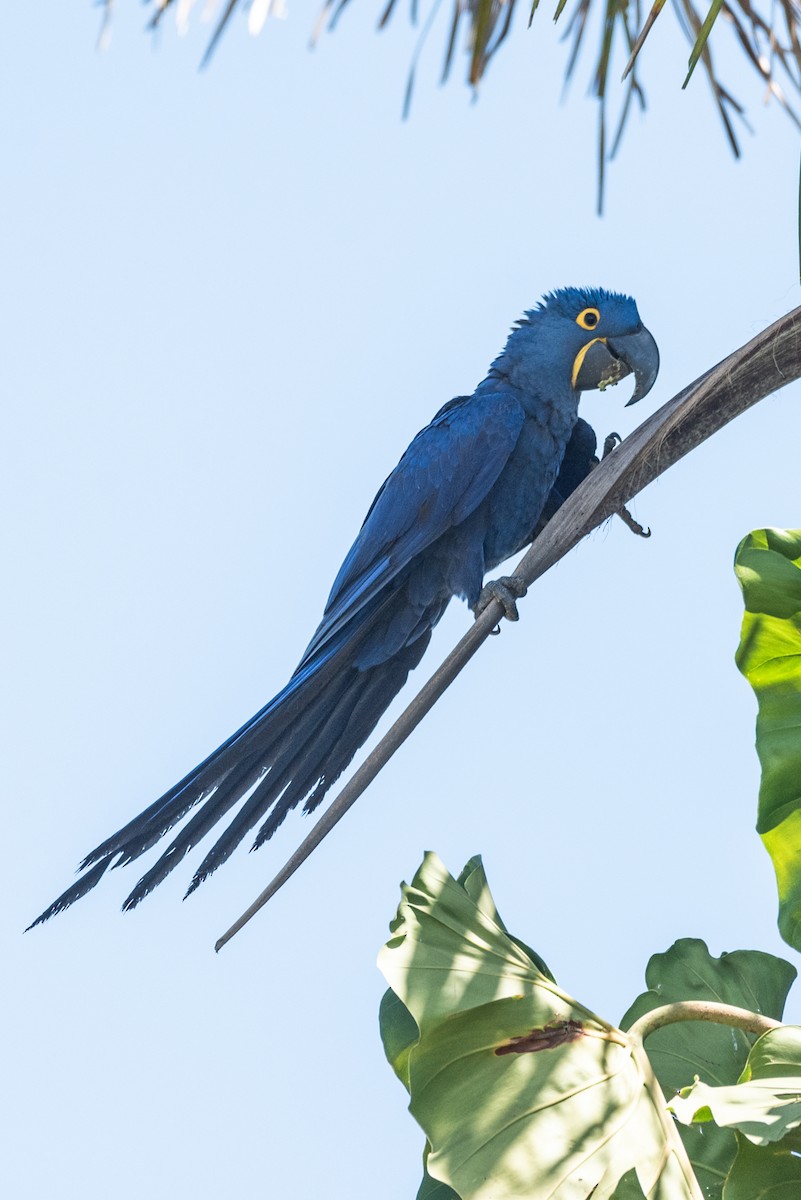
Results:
[473, 488]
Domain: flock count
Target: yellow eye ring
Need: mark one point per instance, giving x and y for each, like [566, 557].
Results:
[588, 318]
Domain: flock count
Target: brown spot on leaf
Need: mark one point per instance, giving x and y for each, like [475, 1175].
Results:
[555, 1033]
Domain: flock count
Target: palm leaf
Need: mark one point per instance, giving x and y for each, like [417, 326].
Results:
[766, 31]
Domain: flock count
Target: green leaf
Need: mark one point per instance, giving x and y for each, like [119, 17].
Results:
[642, 35]
[483, 24]
[775, 1055]
[519, 1088]
[399, 1033]
[768, 567]
[701, 40]
[628, 1188]
[474, 881]
[687, 971]
[398, 1027]
[433, 1189]
[764, 1172]
[766, 1105]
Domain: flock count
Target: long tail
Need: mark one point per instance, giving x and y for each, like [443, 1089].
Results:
[297, 746]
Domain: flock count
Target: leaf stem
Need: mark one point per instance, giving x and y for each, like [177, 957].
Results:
[701, 1010]
[669, 1014]
[672, 1136]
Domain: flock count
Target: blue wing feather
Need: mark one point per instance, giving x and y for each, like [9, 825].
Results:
[444, 475]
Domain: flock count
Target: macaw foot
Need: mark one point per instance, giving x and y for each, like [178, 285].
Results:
[507, 590]
[611, 442]
[633, 525]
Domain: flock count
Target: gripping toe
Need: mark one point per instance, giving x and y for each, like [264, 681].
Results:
[507, 591]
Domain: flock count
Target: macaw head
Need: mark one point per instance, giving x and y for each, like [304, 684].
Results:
[581, 338]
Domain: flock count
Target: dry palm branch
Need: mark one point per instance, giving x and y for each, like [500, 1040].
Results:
[770, 361]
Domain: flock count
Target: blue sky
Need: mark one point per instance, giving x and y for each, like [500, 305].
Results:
[230, 299]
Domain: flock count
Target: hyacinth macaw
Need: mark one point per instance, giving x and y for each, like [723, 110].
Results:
[473, 488]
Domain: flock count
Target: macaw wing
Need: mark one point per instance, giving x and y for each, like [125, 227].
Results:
[444, 475]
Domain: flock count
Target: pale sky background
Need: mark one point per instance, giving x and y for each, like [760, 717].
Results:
[230, 299]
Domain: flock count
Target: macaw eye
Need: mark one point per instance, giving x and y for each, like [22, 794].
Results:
[588, 318]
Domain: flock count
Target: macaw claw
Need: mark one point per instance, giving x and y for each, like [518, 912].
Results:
[507, 590]
[633, 525]
[611, 442]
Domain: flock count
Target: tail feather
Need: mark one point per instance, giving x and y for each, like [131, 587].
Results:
[295, 747]
[236, 784]
[79, 889]
[284, 754]
[382, 686]
[257, 734]
[300, 772]
[277, 770]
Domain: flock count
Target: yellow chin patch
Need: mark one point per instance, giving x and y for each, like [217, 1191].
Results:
[579, 359]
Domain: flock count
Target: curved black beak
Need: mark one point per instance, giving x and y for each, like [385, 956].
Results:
[608, 361]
